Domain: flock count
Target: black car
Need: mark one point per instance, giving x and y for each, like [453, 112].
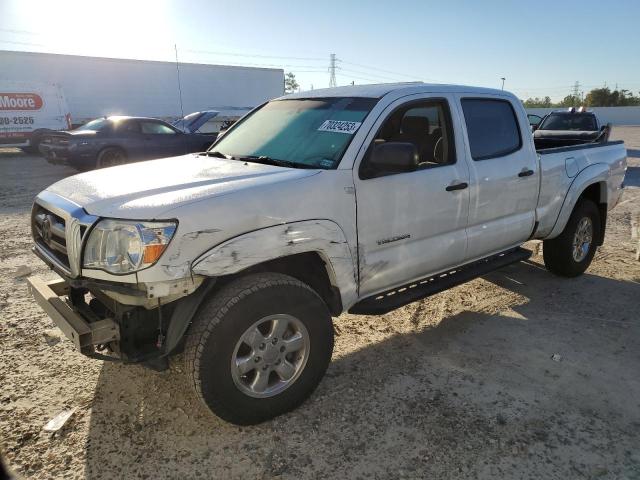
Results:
[563, 128]
[110, 141]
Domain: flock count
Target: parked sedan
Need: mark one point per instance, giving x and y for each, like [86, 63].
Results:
[110, 141]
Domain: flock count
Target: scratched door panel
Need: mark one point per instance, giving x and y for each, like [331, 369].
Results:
[410, 226]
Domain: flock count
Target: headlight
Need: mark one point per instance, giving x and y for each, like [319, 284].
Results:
[121, 246]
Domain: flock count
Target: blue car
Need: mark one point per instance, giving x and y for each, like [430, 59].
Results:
[111, 141]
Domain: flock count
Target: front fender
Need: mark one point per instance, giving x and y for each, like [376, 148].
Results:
[322, 236]
[596, 173]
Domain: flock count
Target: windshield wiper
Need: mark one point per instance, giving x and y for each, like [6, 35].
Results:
[209, 153]
[271, 161]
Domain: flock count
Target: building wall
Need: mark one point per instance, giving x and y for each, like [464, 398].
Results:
[95, 86]
[614, 115]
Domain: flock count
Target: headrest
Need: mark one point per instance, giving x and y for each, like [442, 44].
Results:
[415, 125]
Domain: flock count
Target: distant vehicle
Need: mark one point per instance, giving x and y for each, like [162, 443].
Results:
[111, 141]
[210, 122]
[569, 127]
[534, 120]
[28, 110]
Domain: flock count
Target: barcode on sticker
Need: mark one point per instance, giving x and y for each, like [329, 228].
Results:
[340, 126]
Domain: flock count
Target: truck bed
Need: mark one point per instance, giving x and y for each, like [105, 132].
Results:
[581, 146]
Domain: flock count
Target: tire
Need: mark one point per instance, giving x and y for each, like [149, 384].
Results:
[216, 339]
[560, 254]
[111, 157]
[34, 146]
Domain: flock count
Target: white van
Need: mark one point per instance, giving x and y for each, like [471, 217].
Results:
[28, 110]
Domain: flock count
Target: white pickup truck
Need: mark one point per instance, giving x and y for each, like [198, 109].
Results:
[357, 199]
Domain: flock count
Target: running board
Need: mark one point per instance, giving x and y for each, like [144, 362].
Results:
[385, 302]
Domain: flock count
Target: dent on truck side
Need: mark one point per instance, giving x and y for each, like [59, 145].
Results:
[322, 236]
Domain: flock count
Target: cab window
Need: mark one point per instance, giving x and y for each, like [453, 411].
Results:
[155, 128]
[424, 124]
[492, 127]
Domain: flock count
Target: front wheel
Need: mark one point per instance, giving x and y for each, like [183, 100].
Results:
[259, 347]
[571, 253]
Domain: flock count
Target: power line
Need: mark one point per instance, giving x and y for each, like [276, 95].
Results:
[351, 77]
[369, 74]
[397, 74]
[233, 54]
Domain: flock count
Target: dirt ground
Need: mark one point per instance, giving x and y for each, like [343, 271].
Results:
[462, 385]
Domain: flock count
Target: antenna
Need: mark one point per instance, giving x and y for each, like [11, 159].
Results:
[179, 85]
[332, 70]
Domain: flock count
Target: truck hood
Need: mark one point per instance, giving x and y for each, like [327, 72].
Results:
[147, 190]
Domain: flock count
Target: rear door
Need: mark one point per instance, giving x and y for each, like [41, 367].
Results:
[504, 175]
[412, 223]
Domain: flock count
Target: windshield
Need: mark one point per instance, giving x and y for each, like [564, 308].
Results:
[569, 121]
[307, 132]
[95, 125]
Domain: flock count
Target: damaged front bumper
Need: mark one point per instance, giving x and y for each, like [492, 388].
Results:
[103, 328]
[85, 335]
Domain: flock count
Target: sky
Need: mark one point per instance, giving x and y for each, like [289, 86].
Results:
[540, 47]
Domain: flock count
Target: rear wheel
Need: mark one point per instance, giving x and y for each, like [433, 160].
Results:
[259, 347]
[571, 253]
[111, 157]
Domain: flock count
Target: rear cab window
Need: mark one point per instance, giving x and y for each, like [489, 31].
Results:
[492, 127]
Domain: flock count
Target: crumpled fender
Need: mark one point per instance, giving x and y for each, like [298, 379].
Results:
[322, 236]
[596, 173]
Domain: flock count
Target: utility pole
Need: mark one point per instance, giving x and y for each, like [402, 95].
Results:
[175, 46]
[332, 70]
[503, 79]
[576, 92]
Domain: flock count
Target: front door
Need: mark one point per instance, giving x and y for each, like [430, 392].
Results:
[162, 140]
[412, 223]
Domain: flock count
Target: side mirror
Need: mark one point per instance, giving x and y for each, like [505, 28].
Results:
[534, 128]
[394, 157]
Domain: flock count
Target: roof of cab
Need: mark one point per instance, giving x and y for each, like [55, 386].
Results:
[379, 90]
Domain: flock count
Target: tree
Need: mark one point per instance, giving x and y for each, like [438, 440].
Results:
[570, 101]
[604, 97]
[290, 83]
[538, 102]
[598, 97]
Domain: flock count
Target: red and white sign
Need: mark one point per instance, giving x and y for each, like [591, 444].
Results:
[20, 101]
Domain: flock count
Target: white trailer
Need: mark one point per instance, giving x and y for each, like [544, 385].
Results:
[97, 86]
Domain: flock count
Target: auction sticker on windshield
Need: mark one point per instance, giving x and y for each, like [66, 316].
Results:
[339, 126]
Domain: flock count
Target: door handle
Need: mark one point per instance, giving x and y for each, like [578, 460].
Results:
[525, 173]
[457, 186]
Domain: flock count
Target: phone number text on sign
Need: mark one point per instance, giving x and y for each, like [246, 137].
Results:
[339, 126]
[16, 121]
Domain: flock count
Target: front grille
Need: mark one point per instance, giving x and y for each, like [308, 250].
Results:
[49, 233]
[58, 227]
